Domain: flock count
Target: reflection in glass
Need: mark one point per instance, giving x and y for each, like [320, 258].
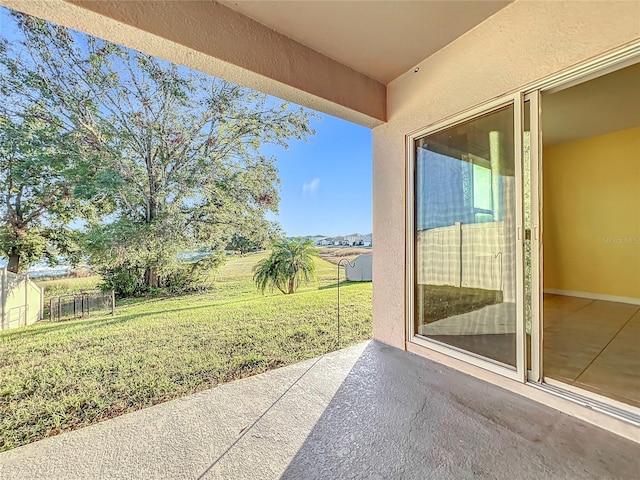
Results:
[465, 244]
[528, 207]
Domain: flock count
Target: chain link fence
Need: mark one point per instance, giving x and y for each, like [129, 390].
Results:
[82, 305]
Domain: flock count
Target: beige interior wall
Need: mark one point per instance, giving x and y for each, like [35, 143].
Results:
[592, 215]
[522, 43]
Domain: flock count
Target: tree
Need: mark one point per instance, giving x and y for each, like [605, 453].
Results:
[261, 236]
[42, 191]
[179, 151]
[242, 244]
[291, 263]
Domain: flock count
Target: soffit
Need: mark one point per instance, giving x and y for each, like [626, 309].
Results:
[381, 39]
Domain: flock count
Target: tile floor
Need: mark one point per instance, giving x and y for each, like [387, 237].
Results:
[594, 345]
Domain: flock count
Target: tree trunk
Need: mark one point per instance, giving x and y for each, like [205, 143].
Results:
[151, 278]
[14, 261]
[292, 284]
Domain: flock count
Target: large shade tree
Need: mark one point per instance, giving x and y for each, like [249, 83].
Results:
[45, 184]
[179, 151]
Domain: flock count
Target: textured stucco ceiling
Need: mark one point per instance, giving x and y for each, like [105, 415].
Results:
[382, 39]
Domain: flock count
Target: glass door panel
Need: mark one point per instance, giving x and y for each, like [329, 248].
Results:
[466, 288]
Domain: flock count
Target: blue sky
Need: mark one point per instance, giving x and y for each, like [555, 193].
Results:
[326, 181]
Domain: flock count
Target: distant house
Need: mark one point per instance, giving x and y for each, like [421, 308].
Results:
[317, 239]
[353, 239]
[325, 242]
[338, 241]
[366, 240]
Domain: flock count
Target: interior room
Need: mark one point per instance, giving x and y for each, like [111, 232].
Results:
[591, 235]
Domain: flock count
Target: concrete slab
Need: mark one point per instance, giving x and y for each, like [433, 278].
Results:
[368, 411]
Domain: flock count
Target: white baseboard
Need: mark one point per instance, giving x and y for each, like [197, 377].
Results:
[593, 296]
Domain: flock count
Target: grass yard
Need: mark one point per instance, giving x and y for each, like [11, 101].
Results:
[63, 376]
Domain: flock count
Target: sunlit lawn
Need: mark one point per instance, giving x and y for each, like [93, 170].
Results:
[57, 377]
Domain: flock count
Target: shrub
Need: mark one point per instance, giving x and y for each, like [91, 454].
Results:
[128, 280]
[125, 280]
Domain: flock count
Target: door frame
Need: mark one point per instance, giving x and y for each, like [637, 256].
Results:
[534, 374]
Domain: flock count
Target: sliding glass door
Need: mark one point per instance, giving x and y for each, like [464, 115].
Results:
[523, 249]
[468, 239]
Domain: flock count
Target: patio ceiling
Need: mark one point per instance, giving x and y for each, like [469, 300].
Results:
[382, 39]
[335, 57]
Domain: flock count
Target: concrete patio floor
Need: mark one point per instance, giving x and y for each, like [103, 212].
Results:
[368, 411]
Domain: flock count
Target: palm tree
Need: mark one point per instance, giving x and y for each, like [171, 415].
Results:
[291, 262]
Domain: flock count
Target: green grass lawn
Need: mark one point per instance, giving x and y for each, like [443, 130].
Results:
[58, 377]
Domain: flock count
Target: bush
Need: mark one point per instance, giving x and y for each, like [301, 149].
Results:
[192, 276]
[180, 277]
[125, 280]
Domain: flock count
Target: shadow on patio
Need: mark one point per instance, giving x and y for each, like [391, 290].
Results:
[368, 411]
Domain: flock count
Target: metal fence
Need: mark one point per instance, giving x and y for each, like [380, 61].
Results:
[81, 305]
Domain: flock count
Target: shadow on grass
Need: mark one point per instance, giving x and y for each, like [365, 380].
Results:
[98, 322]
[84, 325]
[345, 284]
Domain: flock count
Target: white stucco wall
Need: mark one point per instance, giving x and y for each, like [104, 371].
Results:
[522, 43]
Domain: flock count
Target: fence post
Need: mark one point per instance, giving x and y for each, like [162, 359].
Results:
[458, 226]
[3, 295]
[26, 298]
[113, 302]
[41, 312]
